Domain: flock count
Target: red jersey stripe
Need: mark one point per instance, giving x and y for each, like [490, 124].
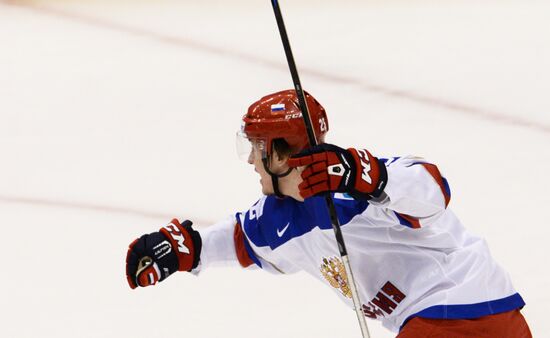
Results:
[415, 223]
[240, 248]
[434, 172]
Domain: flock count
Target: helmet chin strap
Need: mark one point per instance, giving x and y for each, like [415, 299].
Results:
[275, 177]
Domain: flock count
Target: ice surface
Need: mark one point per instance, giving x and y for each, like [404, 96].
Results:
[116, 116]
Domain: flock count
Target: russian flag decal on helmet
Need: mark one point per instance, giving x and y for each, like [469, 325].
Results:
[277, 107]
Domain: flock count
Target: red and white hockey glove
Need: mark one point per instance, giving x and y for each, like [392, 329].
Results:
[153, 257]
[333, 169]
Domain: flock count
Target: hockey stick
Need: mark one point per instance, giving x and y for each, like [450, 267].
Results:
[313, 141]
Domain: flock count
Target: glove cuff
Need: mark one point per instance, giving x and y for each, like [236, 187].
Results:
[382, 179]
[197, 243]
[186, 243]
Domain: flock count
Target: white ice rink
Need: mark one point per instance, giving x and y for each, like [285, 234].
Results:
[117, 115]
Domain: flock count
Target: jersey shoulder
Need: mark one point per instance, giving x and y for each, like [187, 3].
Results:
[272, 221]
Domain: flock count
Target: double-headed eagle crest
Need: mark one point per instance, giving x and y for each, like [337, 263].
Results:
[333, 270]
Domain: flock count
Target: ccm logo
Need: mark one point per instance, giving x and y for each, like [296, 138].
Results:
[178, 237]
[293, 116]
[364, 159]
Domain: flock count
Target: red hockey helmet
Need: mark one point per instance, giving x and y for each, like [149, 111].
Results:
[278, 115]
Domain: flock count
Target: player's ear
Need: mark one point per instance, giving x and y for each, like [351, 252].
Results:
[282, 157]
[279, 160]
[281, 150]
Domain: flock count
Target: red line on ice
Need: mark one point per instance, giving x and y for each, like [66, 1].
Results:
[95, 207]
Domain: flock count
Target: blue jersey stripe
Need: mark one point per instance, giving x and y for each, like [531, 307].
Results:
[446, 185]
[403, 221]
[281, 220]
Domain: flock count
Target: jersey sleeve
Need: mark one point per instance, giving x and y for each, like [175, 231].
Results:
[222, 246]
[416, 191]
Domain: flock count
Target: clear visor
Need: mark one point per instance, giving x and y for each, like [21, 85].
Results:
[249, 148]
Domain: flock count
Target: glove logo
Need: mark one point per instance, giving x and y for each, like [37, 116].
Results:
[336, 169]
[178, 237]
[364, 159]
[162, 249]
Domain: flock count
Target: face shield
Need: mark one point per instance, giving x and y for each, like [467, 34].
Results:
[249, 148]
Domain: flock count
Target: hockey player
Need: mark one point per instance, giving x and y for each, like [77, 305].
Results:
[417, 269]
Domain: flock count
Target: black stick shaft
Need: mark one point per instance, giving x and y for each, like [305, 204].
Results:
[294, 73]
[307, 118]
[313, 141]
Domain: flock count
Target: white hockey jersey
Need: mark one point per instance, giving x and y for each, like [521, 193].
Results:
[409, 253]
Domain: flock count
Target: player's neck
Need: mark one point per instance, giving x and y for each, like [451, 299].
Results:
[289, 185]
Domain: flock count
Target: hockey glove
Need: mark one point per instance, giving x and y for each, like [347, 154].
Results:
[153, 257]
[333, 169]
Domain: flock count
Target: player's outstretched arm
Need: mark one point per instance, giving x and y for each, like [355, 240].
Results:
[155, 256]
